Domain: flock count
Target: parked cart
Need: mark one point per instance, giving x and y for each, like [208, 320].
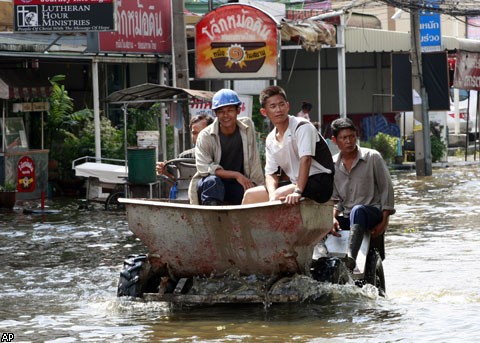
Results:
[105, 180]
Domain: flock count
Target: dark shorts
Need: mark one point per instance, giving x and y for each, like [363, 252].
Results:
[319, 187]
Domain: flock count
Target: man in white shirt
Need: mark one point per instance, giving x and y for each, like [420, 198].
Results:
[291, 147]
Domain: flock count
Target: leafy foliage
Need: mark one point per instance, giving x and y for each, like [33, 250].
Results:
[8, 187]
[385, 144]
[72, 134]
[438, 148]
[59, 116]
[80, 141]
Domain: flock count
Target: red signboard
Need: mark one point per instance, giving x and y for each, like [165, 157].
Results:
[63, 15]
[143, 26]
[467, 71]
[26, 174]
[237, 41]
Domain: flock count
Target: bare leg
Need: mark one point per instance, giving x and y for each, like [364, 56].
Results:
[255, 195]
[282, 192]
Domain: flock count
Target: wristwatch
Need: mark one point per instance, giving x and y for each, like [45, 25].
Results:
[297, 190]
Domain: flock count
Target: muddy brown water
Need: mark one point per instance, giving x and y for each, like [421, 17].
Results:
[58, 277]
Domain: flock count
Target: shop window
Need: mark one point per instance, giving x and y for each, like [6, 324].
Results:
[15, 137]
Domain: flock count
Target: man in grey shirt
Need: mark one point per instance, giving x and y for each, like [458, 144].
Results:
[363, 190]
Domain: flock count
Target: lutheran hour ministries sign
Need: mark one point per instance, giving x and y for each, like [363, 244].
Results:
[63, 15]
[237, 41]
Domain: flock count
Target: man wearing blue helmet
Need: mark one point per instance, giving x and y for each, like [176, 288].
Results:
[227, 158]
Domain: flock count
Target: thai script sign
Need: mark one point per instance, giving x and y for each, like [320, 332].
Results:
[237, 41]
[143, 26]
[467, 71]
[430, 33]
[26, 174]
[63, 15]
[198, 107]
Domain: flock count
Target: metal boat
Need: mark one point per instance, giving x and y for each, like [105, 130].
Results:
[191, 240]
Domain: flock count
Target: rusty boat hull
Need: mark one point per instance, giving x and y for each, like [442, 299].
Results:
[271, 238]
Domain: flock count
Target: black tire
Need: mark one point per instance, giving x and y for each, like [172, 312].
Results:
[374, 272]
[330, 269]
[137, 278]
[112, 203]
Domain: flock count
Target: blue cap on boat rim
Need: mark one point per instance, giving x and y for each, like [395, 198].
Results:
[225, 97]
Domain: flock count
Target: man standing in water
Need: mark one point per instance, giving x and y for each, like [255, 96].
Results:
[227, 158]
[363, 191]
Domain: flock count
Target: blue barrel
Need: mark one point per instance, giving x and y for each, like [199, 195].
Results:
[141, 165]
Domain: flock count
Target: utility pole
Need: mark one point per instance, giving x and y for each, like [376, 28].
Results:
[181, 73]
[423, 153]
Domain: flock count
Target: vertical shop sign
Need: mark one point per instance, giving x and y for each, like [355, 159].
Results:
[237, 41]
[26, 174]
[430, 28]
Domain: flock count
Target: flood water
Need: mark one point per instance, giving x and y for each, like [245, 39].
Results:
[59, 272]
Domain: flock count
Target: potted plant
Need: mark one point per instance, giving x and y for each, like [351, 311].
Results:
[8, 195]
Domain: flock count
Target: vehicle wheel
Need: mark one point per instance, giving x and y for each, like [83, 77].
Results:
[137, 277]
[330, 269]
[374, 272]
[112, 203]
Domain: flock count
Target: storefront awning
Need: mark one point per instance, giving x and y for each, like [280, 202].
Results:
[23, 84]
[150, 92]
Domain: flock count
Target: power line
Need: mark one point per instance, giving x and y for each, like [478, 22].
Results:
[453, 8]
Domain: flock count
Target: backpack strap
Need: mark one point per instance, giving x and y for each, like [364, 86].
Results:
[322, 152]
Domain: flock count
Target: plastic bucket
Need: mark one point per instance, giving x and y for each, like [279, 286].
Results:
[141, 165]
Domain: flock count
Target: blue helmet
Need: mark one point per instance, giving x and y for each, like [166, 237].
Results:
[225, 97]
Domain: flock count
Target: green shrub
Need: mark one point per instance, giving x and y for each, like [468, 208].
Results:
[385, 144]
[8, 187]
[438, 148]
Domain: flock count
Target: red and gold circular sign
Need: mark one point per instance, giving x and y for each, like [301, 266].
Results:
[26, 174]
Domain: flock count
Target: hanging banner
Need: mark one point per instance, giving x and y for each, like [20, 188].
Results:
[63, 16]
[26, 174]
[467, 71]
[143, 26]
[237, 41]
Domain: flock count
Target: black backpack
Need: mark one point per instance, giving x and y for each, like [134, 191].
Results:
[322, 152]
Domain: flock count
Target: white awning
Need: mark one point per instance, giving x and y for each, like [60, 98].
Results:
[370, 40]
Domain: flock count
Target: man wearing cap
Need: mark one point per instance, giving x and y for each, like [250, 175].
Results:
[227, 158]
